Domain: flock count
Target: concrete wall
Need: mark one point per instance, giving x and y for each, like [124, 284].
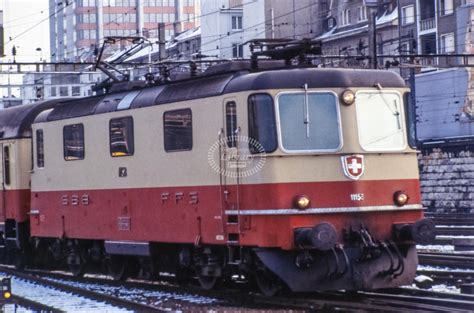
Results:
[447, 179]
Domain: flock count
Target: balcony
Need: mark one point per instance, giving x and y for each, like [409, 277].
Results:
[427, 24]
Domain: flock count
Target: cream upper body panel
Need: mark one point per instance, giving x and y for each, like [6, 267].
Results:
[151, 166]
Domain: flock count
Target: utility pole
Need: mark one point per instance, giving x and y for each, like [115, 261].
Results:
[2, 44]
[162, 41]
[372, 6]
[412, 83]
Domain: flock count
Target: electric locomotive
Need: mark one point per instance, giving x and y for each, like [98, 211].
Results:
[297, 177]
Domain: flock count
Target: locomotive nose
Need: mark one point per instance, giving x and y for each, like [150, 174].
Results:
[322, 236]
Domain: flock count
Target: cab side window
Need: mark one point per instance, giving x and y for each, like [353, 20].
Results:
[6, 165]
[39, 148]
[73, 140]
[178, 130]
[262, 125]
[121, 136]
[231, 123]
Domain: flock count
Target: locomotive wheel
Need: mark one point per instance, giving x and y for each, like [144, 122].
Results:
[208, 282]
[75, 264]
[268, 283]
[117, 267]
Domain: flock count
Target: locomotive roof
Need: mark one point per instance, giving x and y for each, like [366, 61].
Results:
[15, 122]
[222, 83]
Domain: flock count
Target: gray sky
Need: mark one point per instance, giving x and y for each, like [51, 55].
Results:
[18, 17]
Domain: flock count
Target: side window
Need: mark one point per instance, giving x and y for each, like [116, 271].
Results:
[231, 123]
[121, 136]
[39, 148]
[262, 126]
[178, 130]
[410, 120]
[73, 136]
[6, 165]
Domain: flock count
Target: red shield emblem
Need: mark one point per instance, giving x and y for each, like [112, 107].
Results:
[353, 166]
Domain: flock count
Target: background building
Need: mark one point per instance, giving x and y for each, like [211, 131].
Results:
[78, 27]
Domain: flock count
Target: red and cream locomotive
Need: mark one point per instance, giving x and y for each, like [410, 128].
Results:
[290, 176]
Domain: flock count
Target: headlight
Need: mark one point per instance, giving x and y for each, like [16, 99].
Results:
[348, 97]
[302, 202]
[400, 198]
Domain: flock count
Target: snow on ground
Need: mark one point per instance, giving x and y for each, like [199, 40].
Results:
[456, 226]
[437, 288]
[153, 297]
[437, 248]
[10, 308]
[453, 237]
[61, 300]
[443, 269]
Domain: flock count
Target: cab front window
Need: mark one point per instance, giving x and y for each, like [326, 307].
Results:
[380, 121]
[309, 121]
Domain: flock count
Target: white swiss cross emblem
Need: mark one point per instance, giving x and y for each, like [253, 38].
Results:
[353, 166]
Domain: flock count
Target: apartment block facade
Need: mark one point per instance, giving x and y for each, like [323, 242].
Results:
[78, 27]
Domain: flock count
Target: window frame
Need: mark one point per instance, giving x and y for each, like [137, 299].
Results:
[403, 125]
[309, 151]
[6, 160]
[345, 16]
[404, 15]
[83, 142]
[38, 131]
[442, 8]
[238, 23]
[237, 51]
[230, 138]
[362, 14]
[164, 130]
[132, 137]
[443, 43]
[275, 134]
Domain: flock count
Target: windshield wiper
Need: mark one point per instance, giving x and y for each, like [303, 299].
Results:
[306, 110]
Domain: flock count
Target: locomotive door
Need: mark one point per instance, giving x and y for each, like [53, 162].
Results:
[229, 171]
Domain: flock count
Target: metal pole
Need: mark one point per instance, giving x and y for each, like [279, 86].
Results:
[371, 15]
[162, 41]
[374, 38]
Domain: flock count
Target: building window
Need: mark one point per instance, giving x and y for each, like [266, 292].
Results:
[39, 148]
[447, 43]
[63, 91]
[362, 13]
[330, 23]
[73, 137]
[121, 136]
[345, 17]
[231, 123]
[237, 51]
[6, 166]
[178, 130]
[262, 125]
[236, 22]
[408, 15]
[446, 6]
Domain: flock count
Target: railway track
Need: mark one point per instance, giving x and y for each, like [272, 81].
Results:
[96, 299]
[453, 260]
[18, 302]
[452, 218]
[386, 301]
[452, 278]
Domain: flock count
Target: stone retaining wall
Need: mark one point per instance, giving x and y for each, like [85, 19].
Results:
[447, 179]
